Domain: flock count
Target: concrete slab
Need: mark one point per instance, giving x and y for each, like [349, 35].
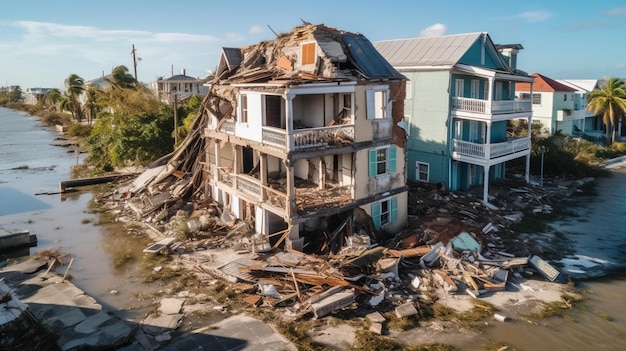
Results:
[155, 325]
[171, 305]
[92, 323]
[234, 333]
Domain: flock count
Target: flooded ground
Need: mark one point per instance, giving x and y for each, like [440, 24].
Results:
[106, 257]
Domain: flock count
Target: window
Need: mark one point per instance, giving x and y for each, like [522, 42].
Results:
[308, 54]
[243, 110]
[376, 104]
[475, 89]
[421, 171]
[459, 88]
[408, 91]
[382, 161]
[564, 97]
[536, 98]
[385, 212]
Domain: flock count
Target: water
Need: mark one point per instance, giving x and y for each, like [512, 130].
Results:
[63, 221]
[597, 233]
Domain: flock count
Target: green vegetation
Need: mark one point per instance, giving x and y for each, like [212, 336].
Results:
[610, 102]
[296, 333]
[368, 341]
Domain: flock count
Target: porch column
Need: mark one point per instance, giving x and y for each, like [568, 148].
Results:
[216, 150]
[263, 172]
[321, 173]
[488, 142]
[527, 171]
[490, 95]
[291, 191]
[289, 116]
[236, 164]
[486, 184]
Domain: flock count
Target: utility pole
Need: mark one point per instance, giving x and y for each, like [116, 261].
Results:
[133, 52]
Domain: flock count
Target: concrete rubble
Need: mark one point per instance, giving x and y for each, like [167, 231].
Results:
[456, 245]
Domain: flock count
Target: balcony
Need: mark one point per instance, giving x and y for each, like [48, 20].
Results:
[468, 150]
[308, 138]
[308, 196]
[491, 107]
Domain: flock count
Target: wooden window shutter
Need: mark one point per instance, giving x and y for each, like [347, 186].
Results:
[308, 54]
[393, 211]
[376, 215]
[373, 163]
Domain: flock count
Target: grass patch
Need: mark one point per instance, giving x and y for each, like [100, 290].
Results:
[605, 316]
[85, 221]
[368, 341]
[495, 346]
[471, 319]
[296, 333]
[557, 308]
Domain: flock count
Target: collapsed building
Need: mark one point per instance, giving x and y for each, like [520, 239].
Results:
[299, 137]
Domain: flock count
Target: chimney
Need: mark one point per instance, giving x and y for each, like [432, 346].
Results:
[509, 51]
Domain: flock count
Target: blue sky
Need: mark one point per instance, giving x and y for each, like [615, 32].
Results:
[43, 42]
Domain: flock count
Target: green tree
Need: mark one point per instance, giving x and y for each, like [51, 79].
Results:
[610, 102]
[91, 106]
[120, 78]
[53, 97]
[16, 94]
[75, 86]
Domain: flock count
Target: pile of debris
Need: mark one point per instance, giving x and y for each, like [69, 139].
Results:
[456, 244]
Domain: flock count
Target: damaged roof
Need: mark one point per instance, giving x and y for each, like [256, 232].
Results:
[337, 55]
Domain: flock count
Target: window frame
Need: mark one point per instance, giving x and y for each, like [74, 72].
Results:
[243, 108]
[377, 103]
[418, 171]
[381, 216]
[389, 162]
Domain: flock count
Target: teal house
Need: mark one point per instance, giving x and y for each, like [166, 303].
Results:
[460, 98]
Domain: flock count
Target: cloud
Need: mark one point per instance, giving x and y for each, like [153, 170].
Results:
[534, 16]
[618, 11]
[255, 30]
[44, 29]
[434, 30]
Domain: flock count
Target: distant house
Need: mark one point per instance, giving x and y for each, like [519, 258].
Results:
[557, 105]
[34, 96]
[591, 125]
[460, 98]
[181, 86]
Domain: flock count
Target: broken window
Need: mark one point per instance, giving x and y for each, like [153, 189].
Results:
[274, 111]
[376, 104]
[382, 161]
[308, 54]
[243, 108]
[385, 212]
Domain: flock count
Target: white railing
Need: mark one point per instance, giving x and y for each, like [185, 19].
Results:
[307, 138]
[491, 107]
[484, 151]
[249, 185]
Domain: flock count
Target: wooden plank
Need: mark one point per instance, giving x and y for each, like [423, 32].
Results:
[158, 246]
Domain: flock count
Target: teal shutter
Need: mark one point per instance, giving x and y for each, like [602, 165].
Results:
[391, 160]
[393, 211]
[376, 215]
[372, 163]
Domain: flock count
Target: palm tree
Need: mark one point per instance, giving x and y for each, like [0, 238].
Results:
[75, 86]
[121, 78]
[53, 96]
[610, 102]
[91, 103]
